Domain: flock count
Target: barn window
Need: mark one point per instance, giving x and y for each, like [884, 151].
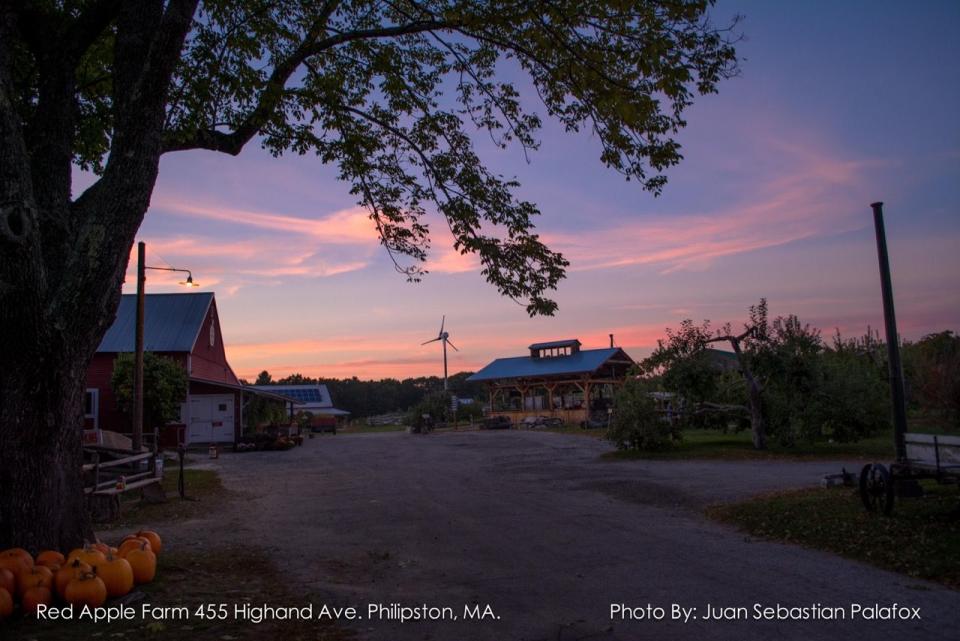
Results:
[222, 407]
[213, 333]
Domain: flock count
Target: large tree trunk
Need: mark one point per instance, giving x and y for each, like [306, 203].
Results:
[42, 502]
[62, 262]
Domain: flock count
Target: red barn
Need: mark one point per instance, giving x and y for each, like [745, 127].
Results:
[186, 328]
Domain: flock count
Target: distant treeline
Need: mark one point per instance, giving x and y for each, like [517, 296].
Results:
[369, 398]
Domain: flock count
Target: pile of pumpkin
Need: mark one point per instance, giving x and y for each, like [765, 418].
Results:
[86, 576]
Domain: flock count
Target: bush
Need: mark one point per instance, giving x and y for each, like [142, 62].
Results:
[436, 405]
[636, 424]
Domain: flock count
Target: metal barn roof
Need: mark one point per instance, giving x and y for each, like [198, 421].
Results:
[171, 322]
[584, 361]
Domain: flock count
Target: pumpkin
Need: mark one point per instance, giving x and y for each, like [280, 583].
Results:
[37, 576]
[6, 604]
[8, 580]
[117, 575]
[155, 543]
[34, 597]
[15, 560]
[50, 557]
[103, 547]
[17, 552]
[86, 589]
[143, 562]
[132, 543]
[67, 573]
[88, 554]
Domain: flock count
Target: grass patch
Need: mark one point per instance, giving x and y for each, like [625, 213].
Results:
[920, 539]
[712, 444]
[229, 575]
[202, 488]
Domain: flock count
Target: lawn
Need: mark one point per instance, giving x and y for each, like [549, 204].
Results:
[920, 539]
[203, 573]
[713, 444]
[202, 487]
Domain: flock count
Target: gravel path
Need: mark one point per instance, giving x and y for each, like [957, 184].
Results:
[534, 525]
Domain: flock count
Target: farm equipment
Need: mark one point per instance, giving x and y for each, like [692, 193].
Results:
[928, 456]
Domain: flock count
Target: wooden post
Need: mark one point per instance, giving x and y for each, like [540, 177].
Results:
[137, 436]
[897, 395]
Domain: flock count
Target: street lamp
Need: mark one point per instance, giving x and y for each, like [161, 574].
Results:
[137, 436]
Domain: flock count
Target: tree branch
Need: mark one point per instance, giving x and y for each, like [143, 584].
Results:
[90, 25]
[233, 142]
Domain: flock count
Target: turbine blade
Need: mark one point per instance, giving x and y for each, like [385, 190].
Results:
[432, 340]
[442, 321]
[452, 345]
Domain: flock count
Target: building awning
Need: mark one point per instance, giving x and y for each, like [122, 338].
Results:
[246, 389]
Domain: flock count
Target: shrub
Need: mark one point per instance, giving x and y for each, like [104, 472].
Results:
[636, 423]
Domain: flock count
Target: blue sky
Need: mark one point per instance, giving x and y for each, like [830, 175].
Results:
[838, 104]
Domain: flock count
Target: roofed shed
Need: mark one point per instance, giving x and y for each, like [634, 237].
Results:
[557, 379]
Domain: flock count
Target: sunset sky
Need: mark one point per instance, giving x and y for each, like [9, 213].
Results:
[839, 104]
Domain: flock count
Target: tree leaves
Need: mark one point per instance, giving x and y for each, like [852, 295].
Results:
[392, 93]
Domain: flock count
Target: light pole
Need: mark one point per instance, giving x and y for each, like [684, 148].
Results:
[137, 436]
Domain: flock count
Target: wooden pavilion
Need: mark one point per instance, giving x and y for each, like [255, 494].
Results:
[558, 379]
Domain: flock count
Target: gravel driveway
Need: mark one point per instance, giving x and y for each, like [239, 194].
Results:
[534, 525]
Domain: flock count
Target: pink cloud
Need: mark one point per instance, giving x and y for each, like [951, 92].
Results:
[817, 194]
[347, 226]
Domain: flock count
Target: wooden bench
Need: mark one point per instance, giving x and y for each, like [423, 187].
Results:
[103, 494]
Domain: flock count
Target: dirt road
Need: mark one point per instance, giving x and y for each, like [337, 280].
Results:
[552, 539]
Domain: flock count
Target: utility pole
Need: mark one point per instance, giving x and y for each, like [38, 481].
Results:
[897, 395]
[137, 436]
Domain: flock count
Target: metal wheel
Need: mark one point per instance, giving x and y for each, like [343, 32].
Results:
[876, 488]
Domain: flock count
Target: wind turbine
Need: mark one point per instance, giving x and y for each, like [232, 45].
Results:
[443, 337]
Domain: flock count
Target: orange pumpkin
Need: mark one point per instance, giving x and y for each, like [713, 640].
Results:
[155, 543]
[86, 589]
[67, 573]
[103, 547]
[117, 575]
[34, 597]
[132, 543]
[88, 554]
[15, 560]
[6, 604]
[50, 557]
[8, 580]
[143, 562]
[37, 576]
[17, 552]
